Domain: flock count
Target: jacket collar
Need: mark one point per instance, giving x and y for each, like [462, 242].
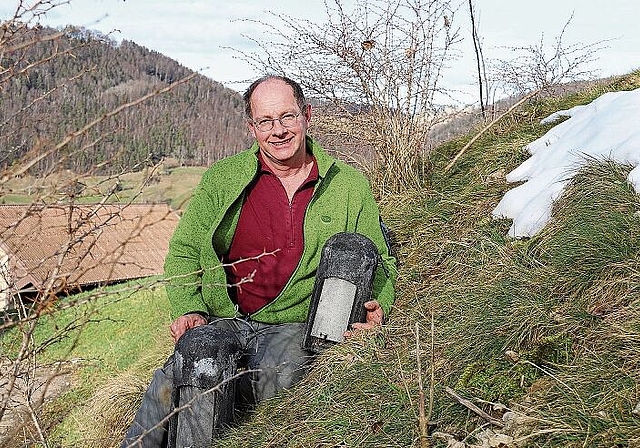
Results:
[325, 161]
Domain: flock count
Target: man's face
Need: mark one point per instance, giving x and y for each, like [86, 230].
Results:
[281, 145]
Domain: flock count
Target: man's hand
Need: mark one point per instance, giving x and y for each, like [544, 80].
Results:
[374, 318]
[183, 323]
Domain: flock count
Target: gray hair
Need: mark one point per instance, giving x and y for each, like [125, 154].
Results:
[298, 94]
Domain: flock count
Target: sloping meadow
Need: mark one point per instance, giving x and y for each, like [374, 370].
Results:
[493, 341]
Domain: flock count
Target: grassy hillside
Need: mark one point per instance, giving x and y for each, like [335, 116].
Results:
[542, 335]
[164, 183]
[545, 331]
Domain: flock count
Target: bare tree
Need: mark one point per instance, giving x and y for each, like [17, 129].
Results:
[24, 384]
[541, 66]
[538, 69]
[374, 69]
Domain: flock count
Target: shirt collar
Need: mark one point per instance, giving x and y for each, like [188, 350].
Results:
[313, 176]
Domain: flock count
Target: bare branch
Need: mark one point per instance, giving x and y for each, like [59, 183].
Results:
[539, 67]
[472, 407]
[374, 69]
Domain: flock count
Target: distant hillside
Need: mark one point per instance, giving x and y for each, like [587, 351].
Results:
[52, 86]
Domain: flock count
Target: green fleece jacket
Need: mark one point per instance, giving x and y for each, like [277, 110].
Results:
[342, 202]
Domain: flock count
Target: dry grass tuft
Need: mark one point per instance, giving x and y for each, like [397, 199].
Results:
[540, 334]
[106, 415]
[111, 410]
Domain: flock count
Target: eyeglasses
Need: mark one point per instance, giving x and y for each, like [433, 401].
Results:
[266, 124]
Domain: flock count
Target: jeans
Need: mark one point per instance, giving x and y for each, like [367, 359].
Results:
[271, 354]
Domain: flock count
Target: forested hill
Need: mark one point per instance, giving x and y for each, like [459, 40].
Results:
[54, 83]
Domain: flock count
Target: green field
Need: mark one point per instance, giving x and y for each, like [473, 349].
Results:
[542, 334]
[161, 184]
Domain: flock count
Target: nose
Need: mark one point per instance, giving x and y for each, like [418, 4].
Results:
[278, 128]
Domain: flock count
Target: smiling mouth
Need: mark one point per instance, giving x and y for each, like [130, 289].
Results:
[281, 143]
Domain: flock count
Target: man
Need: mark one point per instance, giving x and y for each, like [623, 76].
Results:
[244, 255]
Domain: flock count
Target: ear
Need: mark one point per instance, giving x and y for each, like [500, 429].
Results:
[307, 113]
[251, 129]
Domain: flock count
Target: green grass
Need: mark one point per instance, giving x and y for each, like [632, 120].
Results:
[171, 185]
[107, 332]
[15, 199]
[547, 328]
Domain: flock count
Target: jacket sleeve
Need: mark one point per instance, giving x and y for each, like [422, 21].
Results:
[182, 267]
[370, 225]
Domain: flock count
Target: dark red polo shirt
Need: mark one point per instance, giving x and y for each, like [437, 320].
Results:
[268, 223]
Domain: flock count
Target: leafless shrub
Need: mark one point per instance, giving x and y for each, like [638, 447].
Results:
[541, 66]
[374, 68]
[536, 71]
[26, 383]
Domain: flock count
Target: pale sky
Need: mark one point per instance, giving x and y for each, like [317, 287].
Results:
[196, 32]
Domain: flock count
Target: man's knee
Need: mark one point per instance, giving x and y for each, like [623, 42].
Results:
[204, 356]
[205, 363]
[280, 362]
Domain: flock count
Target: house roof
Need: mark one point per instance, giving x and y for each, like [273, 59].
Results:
[84, 244]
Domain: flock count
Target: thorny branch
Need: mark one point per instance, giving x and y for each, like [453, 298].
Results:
[374, 70]
[20, 363]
